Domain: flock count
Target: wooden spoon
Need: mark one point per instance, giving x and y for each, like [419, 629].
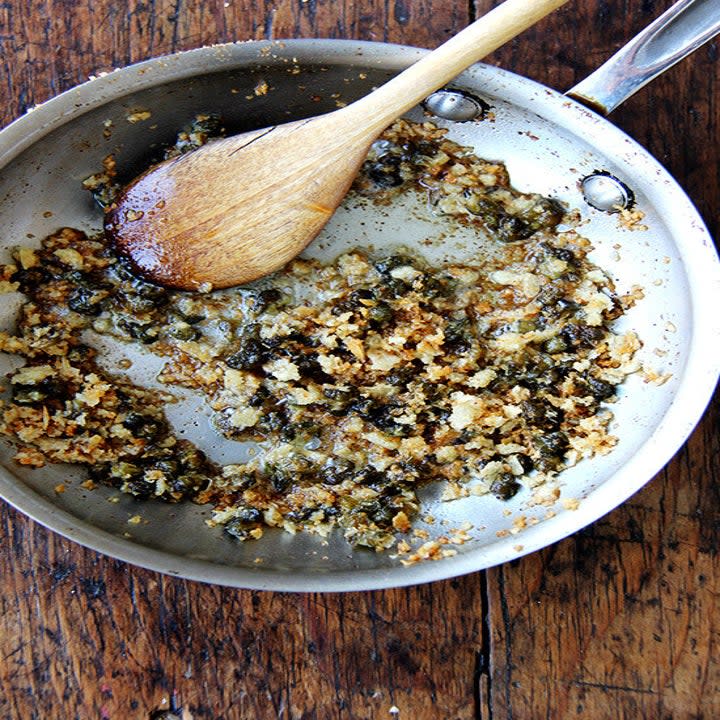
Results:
[241, 207]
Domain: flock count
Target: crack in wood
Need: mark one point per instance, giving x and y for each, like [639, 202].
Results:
[252, 140]
[482, 677]
[606, 686]
[508, 635]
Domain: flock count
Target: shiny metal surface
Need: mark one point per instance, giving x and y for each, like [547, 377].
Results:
[454, 105]
[549, 145]
[682, 29]
[605, 192]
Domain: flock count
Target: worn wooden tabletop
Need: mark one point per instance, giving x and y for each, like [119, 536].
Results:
[619, 621]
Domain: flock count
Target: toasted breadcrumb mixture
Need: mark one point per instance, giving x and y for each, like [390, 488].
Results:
[362, 379]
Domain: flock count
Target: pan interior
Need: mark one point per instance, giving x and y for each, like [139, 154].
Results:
[40, 190]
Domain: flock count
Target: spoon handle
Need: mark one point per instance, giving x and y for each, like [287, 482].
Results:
[431, 72]
[680, 30]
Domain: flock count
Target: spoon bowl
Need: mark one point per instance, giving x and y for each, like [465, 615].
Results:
[200, 222]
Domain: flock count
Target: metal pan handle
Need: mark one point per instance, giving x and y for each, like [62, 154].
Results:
[676, 33]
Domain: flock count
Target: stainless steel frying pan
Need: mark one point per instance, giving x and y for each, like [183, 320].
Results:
[549, 142]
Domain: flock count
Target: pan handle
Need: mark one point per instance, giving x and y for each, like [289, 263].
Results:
[676, 33]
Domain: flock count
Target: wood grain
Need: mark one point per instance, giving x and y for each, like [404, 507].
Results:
[86, 636]
[619, 621]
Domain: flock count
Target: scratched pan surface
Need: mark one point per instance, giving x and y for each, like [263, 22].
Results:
[548, 144]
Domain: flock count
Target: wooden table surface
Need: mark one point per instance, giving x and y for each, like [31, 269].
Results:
[619, 621]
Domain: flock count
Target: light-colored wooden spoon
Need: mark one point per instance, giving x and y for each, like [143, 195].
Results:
[241, 207]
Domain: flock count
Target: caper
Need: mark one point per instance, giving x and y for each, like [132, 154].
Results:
[167, 467]
[457, 336]
[396, 287]
[581, 336]
[336, 471]
[184, 331]
[144, 426]
[144, 332]
[547, 214]
[244, 521]
[385, 172]
[150, 291]
[378, 512]
[385, 265]
[248, 514]
[526, 462]
[139, 488]
[512, 229]
[380, 314]
[187, 483]
[300, 338]
[30, 279]
[141, 304]
[483, 207]
[542, 414]
[81, 353]
[265, 298]
[361, 405]
[600, 389]
[254, 353]
[87, 301]
[551, 447]
[505, 486]
[104, 194]
[122, 271]
[288, 432]
[259, 397]
[272, 421]
[564, 254]
[27, 394]
[372, 478]
[251, 355]
[280, 479]
[309, 367]
[439, 287]
[401, 376]
[553, 443]
[49, 388]
[549, 295]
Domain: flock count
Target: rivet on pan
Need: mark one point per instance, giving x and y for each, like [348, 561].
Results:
[605, 192]
[455, 105]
